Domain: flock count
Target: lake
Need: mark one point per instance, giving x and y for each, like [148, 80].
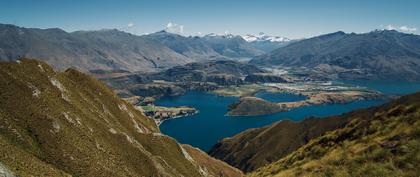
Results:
[210, 125]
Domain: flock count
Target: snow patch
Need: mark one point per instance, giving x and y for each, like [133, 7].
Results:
[264, 37]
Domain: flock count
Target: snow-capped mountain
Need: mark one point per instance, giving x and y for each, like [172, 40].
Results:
[264, 37]
[225, 35]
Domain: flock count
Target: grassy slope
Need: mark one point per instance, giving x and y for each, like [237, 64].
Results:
[54, 124]
[257, 147]
[383, 141]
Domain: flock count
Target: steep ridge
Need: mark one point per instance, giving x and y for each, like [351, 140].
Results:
[380, 141]
[257, 147]
[66, 123]
[87, 50]
[381, 54]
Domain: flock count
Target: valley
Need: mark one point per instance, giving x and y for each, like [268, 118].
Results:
[113, 103]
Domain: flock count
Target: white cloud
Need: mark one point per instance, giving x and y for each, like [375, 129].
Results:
[405, 29]
[174, 28]
[130, 25]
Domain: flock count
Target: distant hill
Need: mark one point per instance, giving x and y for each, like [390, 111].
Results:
[69, 124]
[87, 50]
[378, 141]
[381, 54]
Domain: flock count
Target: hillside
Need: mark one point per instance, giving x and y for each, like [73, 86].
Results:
[66, 123]
[382, 141]
[381, 54]
[257, 147]
[378, 141]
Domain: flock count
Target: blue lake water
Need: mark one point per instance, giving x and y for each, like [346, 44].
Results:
[210, 125]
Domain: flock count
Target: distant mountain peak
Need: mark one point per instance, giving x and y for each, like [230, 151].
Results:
[264, 37]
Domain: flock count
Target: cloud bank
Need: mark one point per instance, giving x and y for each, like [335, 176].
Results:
[403, 28]
[130, 25]
[174, 28]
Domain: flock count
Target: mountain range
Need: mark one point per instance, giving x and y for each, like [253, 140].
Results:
[118, 50]
[380, 54]
[266, 42]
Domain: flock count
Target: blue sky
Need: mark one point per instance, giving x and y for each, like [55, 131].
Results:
[293, 19]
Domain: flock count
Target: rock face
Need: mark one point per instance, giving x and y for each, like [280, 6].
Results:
[375, 55]
[68, 124]
[252, 106]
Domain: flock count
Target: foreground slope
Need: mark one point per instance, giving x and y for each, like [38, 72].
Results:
[257, 147]
[379, 54]
[66, 123]
[380, 141]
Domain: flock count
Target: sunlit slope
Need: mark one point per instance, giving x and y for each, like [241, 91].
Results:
[382, 141]
[66, 123]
